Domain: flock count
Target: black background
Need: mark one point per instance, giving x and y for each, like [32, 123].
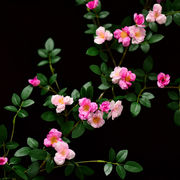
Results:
[152, 138]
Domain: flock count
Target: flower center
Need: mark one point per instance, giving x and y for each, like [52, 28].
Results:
[96, 120]
[102, 35]
[63, 152]
[123, 34]
[54, 140]
[137, 34]
[128, 78]
[61, 101]
[86, 107]
[156, 14]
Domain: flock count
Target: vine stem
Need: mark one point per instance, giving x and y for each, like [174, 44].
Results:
[172, 13]
[50, 89]
[123, 56]
[96, 161]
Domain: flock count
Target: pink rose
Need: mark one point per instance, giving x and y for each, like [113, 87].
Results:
[163, 80]
[35, 81]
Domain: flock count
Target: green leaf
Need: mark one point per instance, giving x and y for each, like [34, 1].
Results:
[89, 15]
[176, 18]
[24, 151]
[65, 139]
[55, 52]
[55, 59]
[168, 20]
[62, 91]
[139, 72]
[120, 49]
[153, 26]
[112, 155]
[42, 53]
[121, 156]
[49, 44]
[26, 92]
[49, 116]
[23, 113]
[103, 56]
[152, 76]
[103, 87]
[33, 169]
[95, 69]
[14, 160]
[120, 171]
[131, 97]
[38, 178]
[103, 14]
[135, 108]
[66, 127]
[177, 117]
[21, 174]
[145, 47]
[69, 169]
[75, 94]
[133, 47]
[90, 92]
[42, 63]
[15, 99]
[3, 133]
[78, 131]
[104, 68]
[149, 35]
[78, 173]
[156, 38]
[173, 106]
[11, 108]
[27, 103]
[49, 165]
[38, 154]
[132, 166]
[79, 2]
[52, 79]
[173, 95]
[108, 169]
[148, 64]
[148, 95]
[176, 5]
[87, 85]
[107, 26]
[87, 170]
[12, 145]
[145, 102]
[42, 78]
[126, 21]
[92, 51]
[32, 142]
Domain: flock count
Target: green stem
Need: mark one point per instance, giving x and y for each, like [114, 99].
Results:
[172, 13]
[123, 56]
[50, 89]
[96, 161]
[113, 93]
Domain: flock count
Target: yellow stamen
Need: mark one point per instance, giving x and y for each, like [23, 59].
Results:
[102, 35]
[54, 140]
[128, 78]
[96, 120]
[61, 101]
[123, 34]
[86, 108]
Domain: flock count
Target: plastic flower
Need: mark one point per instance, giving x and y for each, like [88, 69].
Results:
[63, 153]
[115, 75]
[163, 80]
[34, 82]
[61, 102]
[52, 138]
[92, 4]
[139, 19]
[3, 160]
[116, 109]
[125, 78]
[96, 119]
[102, 35]
[156, 15]
[137, 34]
[105, 106]
[123, 36]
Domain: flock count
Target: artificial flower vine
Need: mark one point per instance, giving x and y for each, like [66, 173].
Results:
[80, 112]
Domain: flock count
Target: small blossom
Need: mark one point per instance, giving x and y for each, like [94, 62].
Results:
[52, 138]
[63, 153]
[60, 102]
[156, 15]
[105, 106]
[116, 109]
[123, 36]
[35, 81]
[94, 107]
[137, 34]
[3, 160]
[163, 80]
[96, 119]
[125, 78]
[102, 35]
[139, 19]
[92, 4]
[115, 75]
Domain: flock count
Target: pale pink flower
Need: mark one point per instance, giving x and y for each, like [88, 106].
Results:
[139, 19]
[96, 119]
[94, 107]
[92, 4]
[52, 138]
[102, 35]
[115, 75]
[105, 106]
[125, 78]
[3, 160]
[116, 109]
[137, 34]
[163, 80]
[123, 36]
[35, 81]
[63, 153]
[68, 100]
[57, 99]
[156, 15]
